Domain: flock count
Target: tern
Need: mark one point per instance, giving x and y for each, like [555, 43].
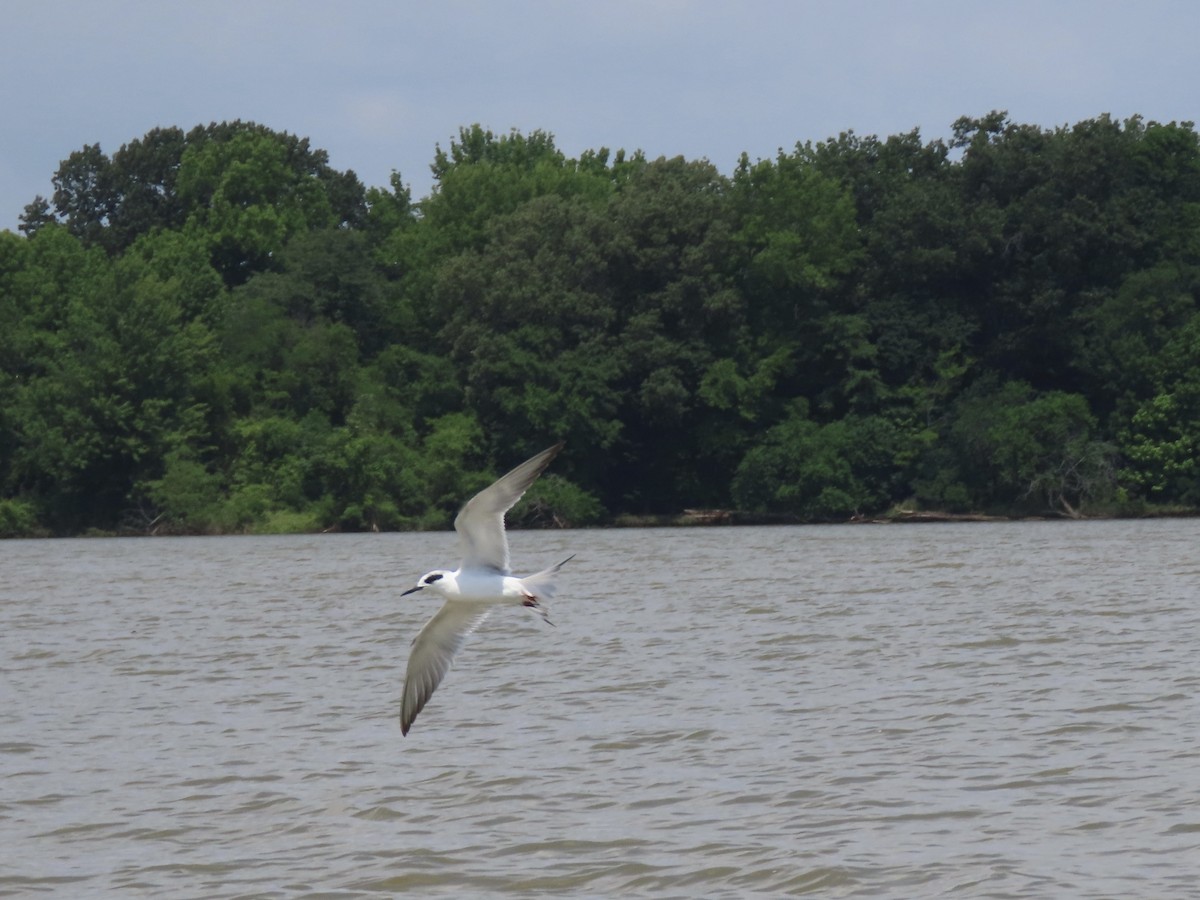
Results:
[482, 582]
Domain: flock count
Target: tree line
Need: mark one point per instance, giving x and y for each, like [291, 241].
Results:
[215, 331]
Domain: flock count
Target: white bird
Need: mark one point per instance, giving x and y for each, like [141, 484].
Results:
[481, 582]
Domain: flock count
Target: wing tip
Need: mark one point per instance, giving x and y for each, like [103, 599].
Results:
[407, 717]
[548, 455]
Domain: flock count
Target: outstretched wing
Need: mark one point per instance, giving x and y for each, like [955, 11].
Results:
[433, 651]
[480, 524]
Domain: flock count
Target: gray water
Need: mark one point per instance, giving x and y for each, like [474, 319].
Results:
[985, 710]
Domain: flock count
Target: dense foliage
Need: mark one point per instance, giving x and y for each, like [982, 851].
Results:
[215, 331]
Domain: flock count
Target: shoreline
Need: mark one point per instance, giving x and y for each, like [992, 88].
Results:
[698, 518]
[735, 518]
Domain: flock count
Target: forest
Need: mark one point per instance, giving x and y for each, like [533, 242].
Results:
[213, 331]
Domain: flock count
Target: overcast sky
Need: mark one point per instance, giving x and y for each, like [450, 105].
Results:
[378, 83]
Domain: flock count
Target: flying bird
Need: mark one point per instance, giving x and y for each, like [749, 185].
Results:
[482, 582]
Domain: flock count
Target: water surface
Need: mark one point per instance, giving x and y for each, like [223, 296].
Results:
[983, 710]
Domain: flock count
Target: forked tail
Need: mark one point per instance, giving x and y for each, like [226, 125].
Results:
[541, 585]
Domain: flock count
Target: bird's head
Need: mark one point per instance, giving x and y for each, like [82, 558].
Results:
[437, 581]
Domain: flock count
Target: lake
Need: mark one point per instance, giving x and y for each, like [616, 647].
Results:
[968, 710]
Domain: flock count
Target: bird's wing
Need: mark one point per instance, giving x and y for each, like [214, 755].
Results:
[433, 651]
[480, 524]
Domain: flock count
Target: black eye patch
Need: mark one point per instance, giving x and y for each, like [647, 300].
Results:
[430, 579]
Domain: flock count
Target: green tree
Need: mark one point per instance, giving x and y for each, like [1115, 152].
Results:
[1017, 446]
[799, 245]
[597, 323]
[328, 276]
[833, 471]
[213, 330]
[1161, 443]
[1124, 340]
[97, 414]
[246, 201]
[164, 178]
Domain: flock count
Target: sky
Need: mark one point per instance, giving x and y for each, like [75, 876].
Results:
[379, 84]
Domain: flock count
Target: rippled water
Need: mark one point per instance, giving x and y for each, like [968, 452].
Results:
[986, 710]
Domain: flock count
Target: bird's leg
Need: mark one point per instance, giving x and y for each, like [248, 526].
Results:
[532, 602]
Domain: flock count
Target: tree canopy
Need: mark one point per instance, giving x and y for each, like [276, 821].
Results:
[215, 331]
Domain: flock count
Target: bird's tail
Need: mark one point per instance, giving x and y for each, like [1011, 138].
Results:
[541, 584]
